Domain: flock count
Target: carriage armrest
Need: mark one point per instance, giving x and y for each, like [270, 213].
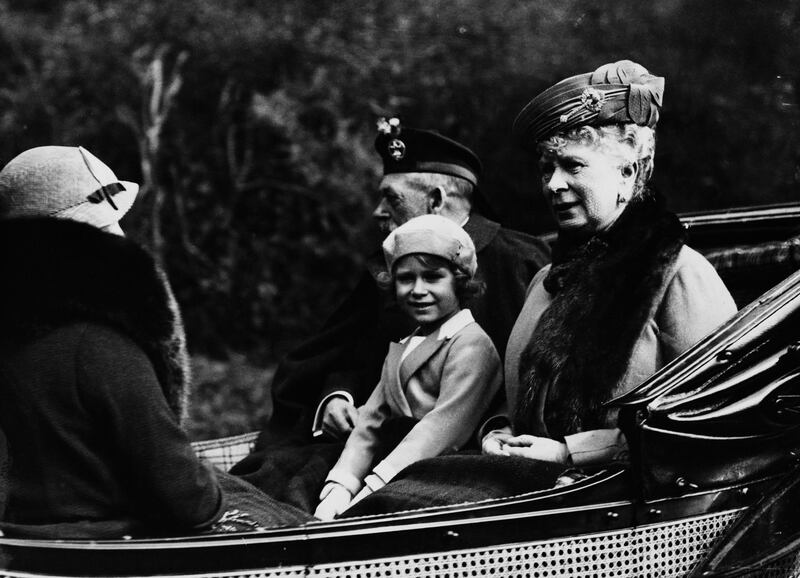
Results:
[225, 452]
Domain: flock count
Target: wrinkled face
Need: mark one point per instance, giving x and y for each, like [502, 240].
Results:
[401, 200]
[425, 292]
[581, 183]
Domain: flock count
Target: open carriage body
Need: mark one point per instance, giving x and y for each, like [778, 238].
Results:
[710, 490]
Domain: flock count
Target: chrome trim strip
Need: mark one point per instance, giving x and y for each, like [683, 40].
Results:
[733, 215]
[256, 538]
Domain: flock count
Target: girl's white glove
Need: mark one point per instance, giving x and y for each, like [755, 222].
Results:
[372, 483]
[334, 499]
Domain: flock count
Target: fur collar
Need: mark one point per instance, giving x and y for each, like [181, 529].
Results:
[57, 272]
[604, 293]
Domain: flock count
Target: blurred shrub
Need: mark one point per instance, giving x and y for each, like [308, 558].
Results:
[229, 397]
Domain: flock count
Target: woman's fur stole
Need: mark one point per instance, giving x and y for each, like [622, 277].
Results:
[57, 272]
[605, 291]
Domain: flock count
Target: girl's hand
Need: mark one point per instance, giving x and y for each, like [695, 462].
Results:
[372, 483]
[494, 443]
[536, 448]
[365, 491]
[334, 499]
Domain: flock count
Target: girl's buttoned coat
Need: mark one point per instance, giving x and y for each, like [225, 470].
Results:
[446, 383]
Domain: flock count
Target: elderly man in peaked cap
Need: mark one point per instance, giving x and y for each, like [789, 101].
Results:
[317, 388]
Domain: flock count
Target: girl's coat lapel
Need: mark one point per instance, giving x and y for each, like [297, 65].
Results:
[402, 372]
[421, 354]
[393, 391]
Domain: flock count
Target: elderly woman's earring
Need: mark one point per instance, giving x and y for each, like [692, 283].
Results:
[628, 170]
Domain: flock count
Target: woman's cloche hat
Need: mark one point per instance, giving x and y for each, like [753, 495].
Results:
[66, 183]
[619, 92]
[432, 235]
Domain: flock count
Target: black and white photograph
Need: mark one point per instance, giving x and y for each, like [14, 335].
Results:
[431, 288]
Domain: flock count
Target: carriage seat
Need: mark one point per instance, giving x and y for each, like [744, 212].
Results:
[750, 270]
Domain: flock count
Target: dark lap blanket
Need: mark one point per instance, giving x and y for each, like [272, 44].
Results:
[294, 471]
[291, 473]
[248, 508]
[458, 478]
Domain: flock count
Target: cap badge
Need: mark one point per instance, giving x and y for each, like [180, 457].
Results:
[592, 100]
[391, 126]
[397, 149]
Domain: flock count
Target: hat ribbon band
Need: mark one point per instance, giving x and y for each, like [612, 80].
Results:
[105, 193]
[446, 169]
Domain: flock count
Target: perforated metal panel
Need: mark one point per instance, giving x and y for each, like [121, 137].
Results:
[225, 452]
[653, 551]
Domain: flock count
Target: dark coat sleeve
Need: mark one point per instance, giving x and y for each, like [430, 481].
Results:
[506, 266]
[172, 488]
[346, 355]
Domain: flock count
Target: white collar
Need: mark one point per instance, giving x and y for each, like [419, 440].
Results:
[450, 327]
[455, 324]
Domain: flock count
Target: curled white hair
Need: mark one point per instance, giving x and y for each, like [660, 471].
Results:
[630, 142]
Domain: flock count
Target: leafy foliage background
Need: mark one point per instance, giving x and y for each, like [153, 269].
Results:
[250, 126]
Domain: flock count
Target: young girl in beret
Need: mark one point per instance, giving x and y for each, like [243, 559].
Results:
[441, 378]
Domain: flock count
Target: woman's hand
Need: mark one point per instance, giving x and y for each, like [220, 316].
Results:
[334, 499]
[493, 443]
[537, 448]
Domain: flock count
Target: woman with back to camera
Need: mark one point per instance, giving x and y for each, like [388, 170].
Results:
[94, 370]
[623, 296]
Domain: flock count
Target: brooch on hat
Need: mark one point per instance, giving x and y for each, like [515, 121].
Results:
[396, 147]
[592, 100]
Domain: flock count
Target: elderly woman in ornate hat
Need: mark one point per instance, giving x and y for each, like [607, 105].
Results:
[624, 294]
[93, 366]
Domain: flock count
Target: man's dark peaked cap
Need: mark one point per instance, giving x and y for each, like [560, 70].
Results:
[412, 150]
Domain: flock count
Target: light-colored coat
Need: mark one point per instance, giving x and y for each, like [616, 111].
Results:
[695, 302]
[446, 382]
